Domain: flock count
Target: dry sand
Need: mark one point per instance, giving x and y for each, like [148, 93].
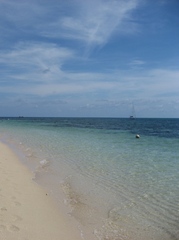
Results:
[26, 212]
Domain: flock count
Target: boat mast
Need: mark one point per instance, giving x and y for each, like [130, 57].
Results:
[133, 115]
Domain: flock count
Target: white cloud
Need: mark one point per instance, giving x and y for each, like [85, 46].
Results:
[33, 52]
[32, 68]
[92, 22]
[34, 62]
[164, 81]
[137, 62]
[37, 69]
[97, 20]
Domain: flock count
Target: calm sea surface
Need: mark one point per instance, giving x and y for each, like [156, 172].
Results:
[115, 186]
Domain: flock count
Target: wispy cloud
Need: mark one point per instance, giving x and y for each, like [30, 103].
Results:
[97, 20]
[37, 69]
[34, 62]
[137, 62]
[92, 22]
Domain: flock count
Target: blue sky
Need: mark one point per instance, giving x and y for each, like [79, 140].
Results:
[89, 58]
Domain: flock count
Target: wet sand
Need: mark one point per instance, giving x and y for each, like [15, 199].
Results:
[27, 212]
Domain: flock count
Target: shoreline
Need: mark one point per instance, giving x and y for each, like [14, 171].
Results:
[26, 210]
[99, 203]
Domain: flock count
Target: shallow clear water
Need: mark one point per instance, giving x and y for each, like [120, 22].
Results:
[116, 186]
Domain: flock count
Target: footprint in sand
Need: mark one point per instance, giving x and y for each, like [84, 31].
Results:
[16, 218]
[2, 227]
[3, 209]
[14, 228]
[17, 203]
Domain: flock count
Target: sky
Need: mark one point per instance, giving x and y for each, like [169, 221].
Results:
[89, 58]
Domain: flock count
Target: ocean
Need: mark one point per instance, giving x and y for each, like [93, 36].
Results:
[114, 185]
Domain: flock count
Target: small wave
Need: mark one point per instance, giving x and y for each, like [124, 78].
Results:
[44, 162]
[77, 202]
[42, 166]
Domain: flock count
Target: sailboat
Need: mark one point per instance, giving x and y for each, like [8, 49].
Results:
[133, 115]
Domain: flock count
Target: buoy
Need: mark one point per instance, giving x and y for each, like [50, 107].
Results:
[137, 136]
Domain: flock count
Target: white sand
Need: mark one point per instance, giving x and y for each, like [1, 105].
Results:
[26, 212]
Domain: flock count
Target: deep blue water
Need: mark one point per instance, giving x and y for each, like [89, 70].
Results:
[152, 127]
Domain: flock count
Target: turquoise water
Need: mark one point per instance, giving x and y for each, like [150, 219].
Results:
[116, 186]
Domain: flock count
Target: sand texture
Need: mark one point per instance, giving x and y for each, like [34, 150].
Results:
[26, 211]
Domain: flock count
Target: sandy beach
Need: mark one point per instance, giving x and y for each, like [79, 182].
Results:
[26, 211]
